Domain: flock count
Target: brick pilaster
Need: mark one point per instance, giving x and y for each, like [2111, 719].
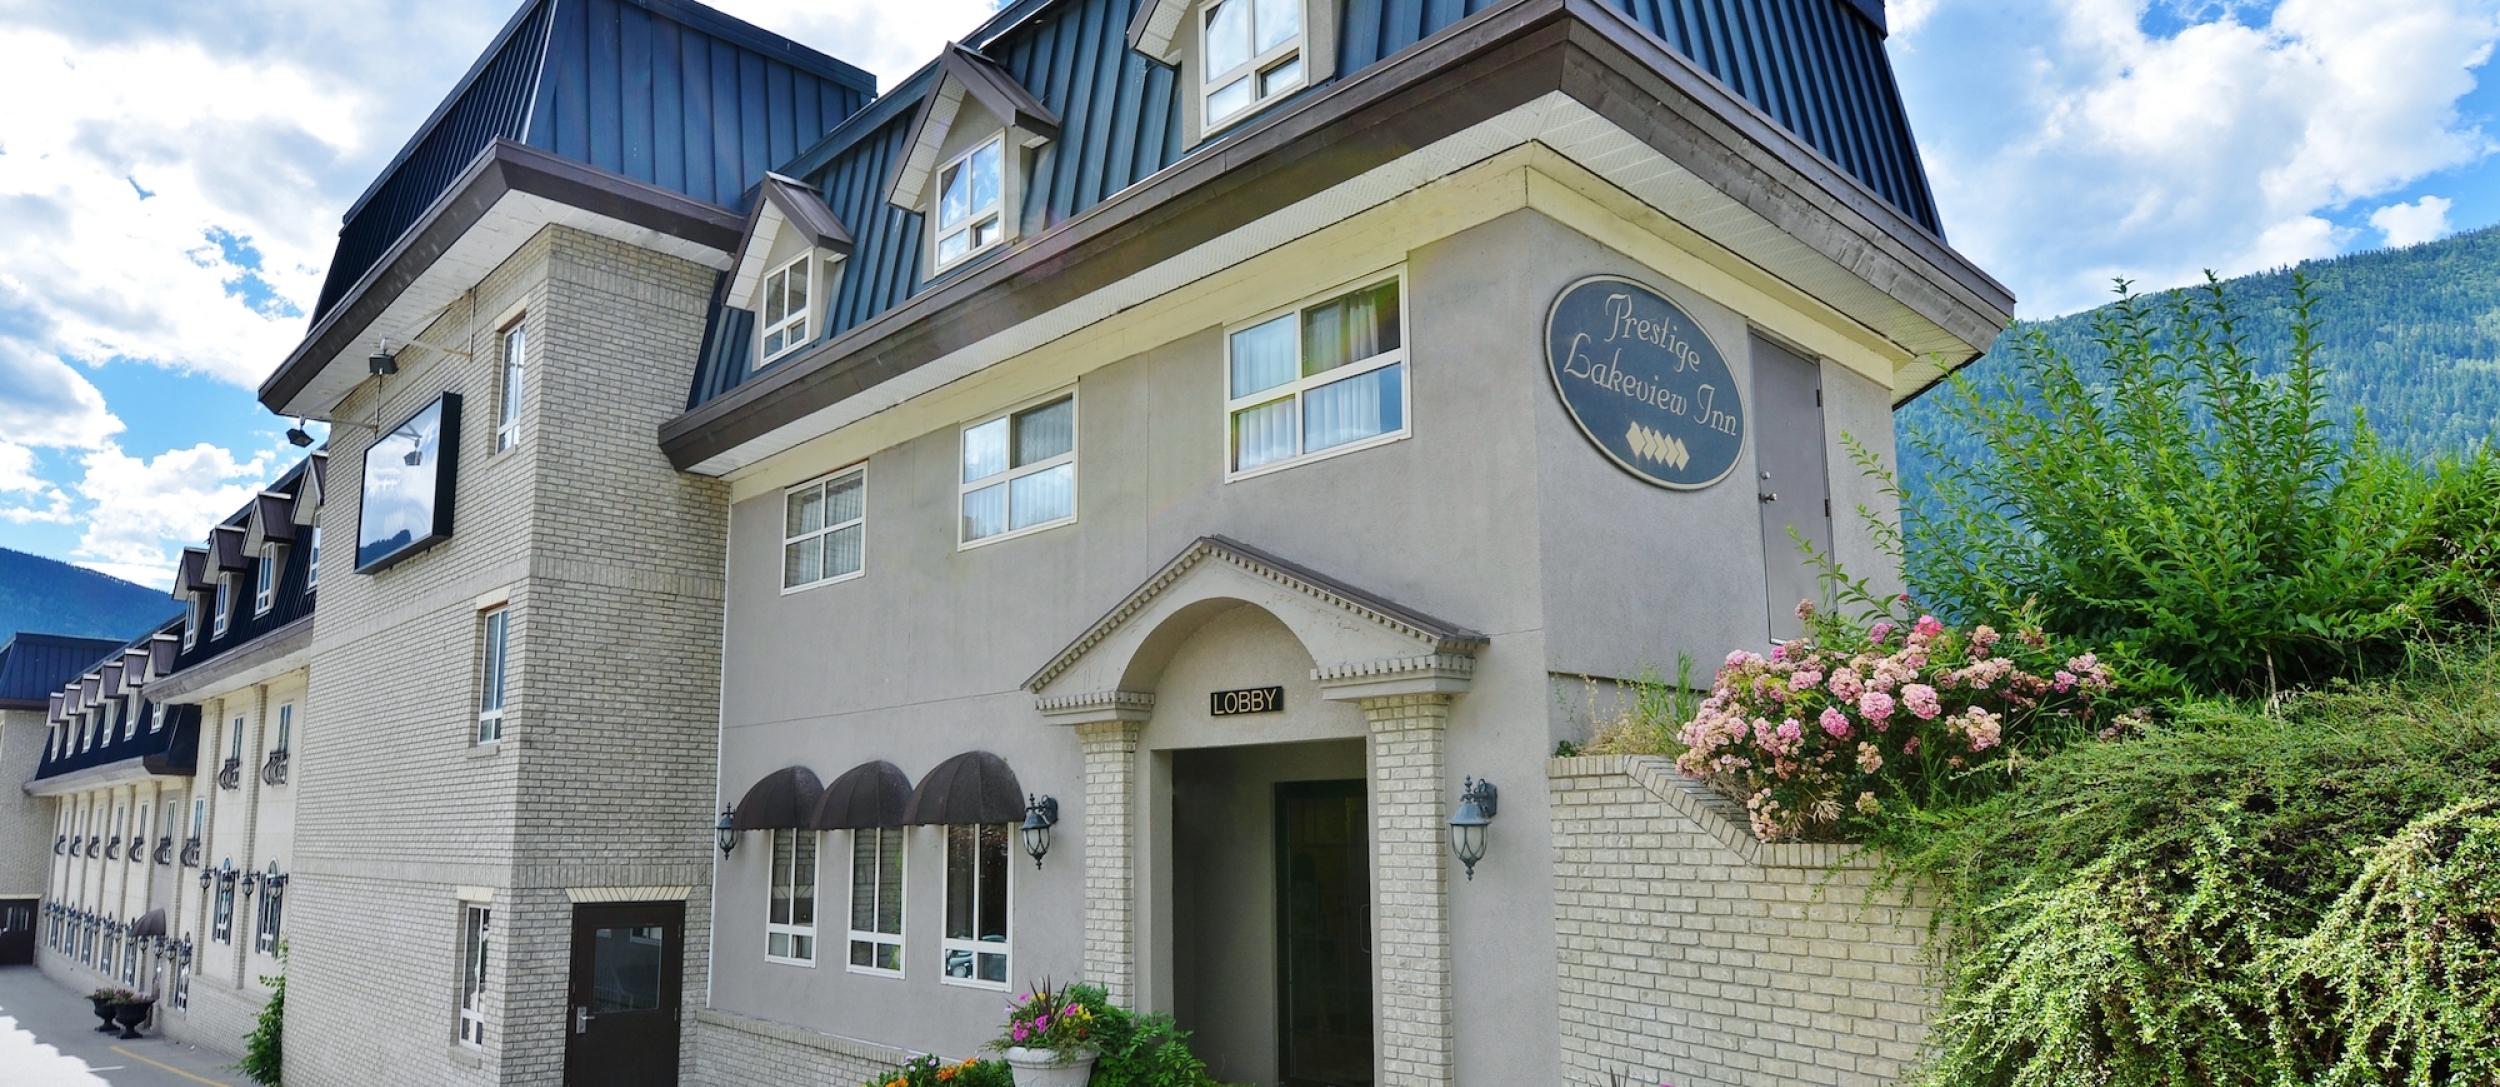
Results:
[1412, 960]
[1110, 856]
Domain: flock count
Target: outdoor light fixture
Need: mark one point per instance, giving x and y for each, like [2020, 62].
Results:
[382, 362]
[727, 829]
[205, 876]
[297, 436]
[1476, 805]
[251, 882]
[1039, 816]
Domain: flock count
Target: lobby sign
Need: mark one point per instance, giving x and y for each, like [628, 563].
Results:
[1644, 382]
[1250, 700]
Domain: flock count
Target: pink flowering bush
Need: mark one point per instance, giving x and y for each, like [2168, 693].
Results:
[1048, 1018]
[1828, 729]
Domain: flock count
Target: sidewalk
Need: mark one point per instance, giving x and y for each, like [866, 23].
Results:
[48, 1039]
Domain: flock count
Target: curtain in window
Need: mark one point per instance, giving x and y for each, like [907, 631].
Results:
[1045, 432]
[1356, 408]
[1042, 497]
[1350, 329]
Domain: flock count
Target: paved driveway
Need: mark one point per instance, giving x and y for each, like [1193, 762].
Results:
[48, 1039]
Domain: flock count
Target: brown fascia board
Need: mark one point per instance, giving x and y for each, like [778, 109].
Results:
[501, 167]
[1491, 62]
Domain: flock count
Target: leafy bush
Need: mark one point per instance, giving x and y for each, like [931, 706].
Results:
[2200, 519]
[1136, 1050]
[1819, 736]
[1048, 1018]
[264, 1049]
[927, 1071]
[2236, 896]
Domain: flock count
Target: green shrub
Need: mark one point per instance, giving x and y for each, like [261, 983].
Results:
[2198, 517]
[1136, 1050]
[264, 1049]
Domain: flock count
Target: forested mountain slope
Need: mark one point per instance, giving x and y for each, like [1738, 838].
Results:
[45, 596]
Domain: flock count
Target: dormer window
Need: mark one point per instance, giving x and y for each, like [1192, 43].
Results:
[1253, 53]
[969, 216]
[265, 589]
[786, 293]
[225, 606]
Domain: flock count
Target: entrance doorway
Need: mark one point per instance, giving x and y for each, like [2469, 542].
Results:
[17, 931]
[1323, 935]
[625, 990]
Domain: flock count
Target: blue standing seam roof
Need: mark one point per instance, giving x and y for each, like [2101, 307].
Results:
[662, 91]
[33, 667]
[1816, 67]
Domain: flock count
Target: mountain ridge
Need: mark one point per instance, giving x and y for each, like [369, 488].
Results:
[47, 596]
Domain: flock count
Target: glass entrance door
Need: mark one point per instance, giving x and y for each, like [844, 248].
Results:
[625, 991]
[1323, 934]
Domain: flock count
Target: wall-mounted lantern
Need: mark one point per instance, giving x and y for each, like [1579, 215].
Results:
[251, 882]
[205, 876]
[226, 874]
[1476, 805]
[726, 828]
[1039, 816]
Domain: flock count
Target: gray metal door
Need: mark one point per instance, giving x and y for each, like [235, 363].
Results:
[1794, 484]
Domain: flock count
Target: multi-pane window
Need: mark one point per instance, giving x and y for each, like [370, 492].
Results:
[272, 911]
[790, 928]
[1253, 54]
[495, 659]
[515, 380]
[265, 584]
[221, 922]
[1020, 471]
[971, 212]
[975, 942]
[823, 537]
[225, 606]
[785, 309]
[286, 729]
[191, 622]
[877, 900]
[312, 561]
[156, 719]
[1323, 378]
[473, 935]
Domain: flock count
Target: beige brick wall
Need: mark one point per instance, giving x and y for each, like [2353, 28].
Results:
[738, 1051]
[1110, 880]
[610, 563]
[1408, 745]
[1692, 954]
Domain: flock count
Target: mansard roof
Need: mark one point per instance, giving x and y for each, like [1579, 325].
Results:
[34, 666]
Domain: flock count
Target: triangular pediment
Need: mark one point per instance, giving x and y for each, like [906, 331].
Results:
[783, 206]
[963, 73]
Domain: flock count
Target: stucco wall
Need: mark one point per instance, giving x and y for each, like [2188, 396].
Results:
[1693, 954]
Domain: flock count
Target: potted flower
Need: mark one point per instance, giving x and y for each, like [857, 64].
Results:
[1050, 1039]
[103, 1001]
[131, 1009]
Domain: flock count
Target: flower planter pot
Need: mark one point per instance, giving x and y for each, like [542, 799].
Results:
[103, 1012]
[1051, 1067]
[130, 1016]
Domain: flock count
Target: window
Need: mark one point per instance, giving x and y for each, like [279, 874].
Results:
[221, 927]
[785, 309]
[976, 905]
[1325, 378]
[971, 202]
[199, 819]
[877, 900]
[272, 911]
[312, 561]
[496, 656]
[156, 720]
[286, 729]
[473, 935]
[234, 738]
[1253, 52]
[822, 535]
[790, 929]
[191, 622]
[508, 418]
[265, 588]
[1020, 471]
[225, 605]
[131, 710]
[111, 714]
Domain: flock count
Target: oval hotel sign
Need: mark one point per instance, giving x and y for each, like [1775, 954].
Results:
[1644, 382]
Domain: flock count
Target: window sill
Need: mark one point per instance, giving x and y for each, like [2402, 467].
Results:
[973, 983]
[822, 582]
[1028, 530]
[871, 971]
[1374, 442]
[485, 750]
[467, 1056]
[808, 963]
[1248, 114]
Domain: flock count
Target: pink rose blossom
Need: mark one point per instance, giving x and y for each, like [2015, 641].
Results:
[2065, 680]
[1835, 722]
[1921, 699]
[1881, 631]
[1869, 759]
[1876, 705]
[1927, 626]
[1804, 680]
[1845, 685]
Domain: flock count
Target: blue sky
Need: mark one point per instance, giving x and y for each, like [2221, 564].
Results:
[172, 176]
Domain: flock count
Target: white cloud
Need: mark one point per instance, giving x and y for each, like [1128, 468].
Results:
[892, 38]
[2423, 220]
[141, 510]
[2069, 145]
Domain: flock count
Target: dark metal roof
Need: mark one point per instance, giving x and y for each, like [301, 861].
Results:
[665, 92]
[784, 798]
[33, 667]
[290, 601]
[974, 787]
[871, 794]
[1816, 67]
[172, 751]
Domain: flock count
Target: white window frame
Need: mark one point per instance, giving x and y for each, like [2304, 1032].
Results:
[494, 673]
[1254, 69]
[902, 883]
[977, 947]
[191, 623]
[265, 577]
[772, 874]
[1304, 383]
[1007, 478]
[515, 385]
[270, 920]
[286, 729]
[826, 531]
[225, 606]
[939, 231]
[796, 323]
[127, 709]
[476, 938]
[312, 562]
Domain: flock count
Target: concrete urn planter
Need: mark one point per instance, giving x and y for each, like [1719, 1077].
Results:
[1051, 1067]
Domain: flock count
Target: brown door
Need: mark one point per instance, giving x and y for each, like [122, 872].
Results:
[625, 990]
[1794, 488]
[1323, 935]
[17, 931]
